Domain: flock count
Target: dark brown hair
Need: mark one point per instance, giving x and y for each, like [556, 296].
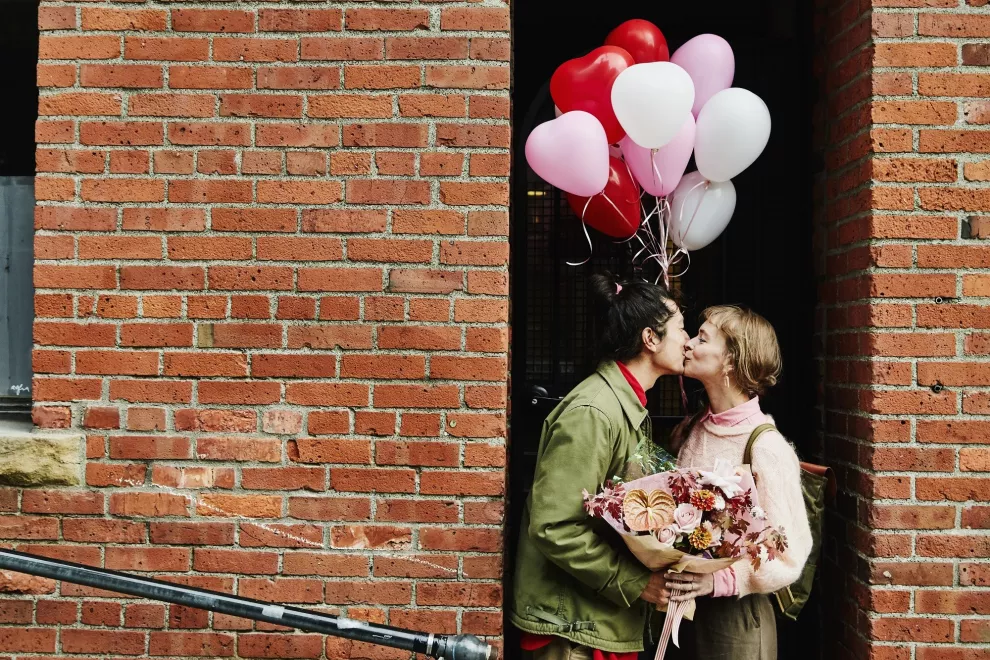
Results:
[626, 312]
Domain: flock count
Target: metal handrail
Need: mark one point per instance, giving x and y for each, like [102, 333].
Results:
[445, 647]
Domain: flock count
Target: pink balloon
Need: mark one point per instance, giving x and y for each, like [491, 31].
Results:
[660, 170]
[571, 153]
[709, 61]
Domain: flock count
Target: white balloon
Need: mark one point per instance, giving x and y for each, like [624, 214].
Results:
[700, 212]
[733, 129]
[651, 102]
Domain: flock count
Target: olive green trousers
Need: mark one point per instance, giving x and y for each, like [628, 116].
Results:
[736, 628]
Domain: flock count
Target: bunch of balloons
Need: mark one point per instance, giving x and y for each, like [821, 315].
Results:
[629, 116]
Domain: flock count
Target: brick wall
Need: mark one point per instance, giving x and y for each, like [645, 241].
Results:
[903, 315]
[272, 289]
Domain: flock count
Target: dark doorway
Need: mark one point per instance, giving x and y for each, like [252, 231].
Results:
[19, 53]
[763, 260]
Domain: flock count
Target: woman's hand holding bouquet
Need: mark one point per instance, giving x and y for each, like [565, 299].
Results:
[689, 520]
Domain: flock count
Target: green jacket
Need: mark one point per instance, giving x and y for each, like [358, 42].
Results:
[574, 576]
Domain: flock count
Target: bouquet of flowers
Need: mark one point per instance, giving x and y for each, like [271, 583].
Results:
[689, 520]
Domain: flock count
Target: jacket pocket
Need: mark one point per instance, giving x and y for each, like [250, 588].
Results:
[560, 624]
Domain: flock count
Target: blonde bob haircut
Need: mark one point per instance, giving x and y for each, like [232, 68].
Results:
[751, 347]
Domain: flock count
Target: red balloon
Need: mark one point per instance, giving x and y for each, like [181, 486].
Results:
[641, 39]
[585, 83]
[617, 216]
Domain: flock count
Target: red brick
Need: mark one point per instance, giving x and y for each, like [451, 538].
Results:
[912, 629]
[339, 279]
[425, 281]
[416, 511]
[56, 18]
[386, 19]
[417, 453]
[330, 508]
[234, 506]
[952, 489]
[342, 48]
[327, 394]
[299, 20]
[283, 479]
[914, 112]
[426, 48]
[489, 107]
[374, 423]
[468, 77]
[928, 54]
[210, 77]
[460, 539]
[263, 645]
[189, 533]
[384, 367]
[486, 19]
[206, 20]
[954, 25]
[329, 423]
[174, 644]
[239, 449]
[119, 19]
[462, 483]
[947, 141]
[459, 594]
[385, 593]
[953, 432]
[103, 641]
[372, 480]
[329, 336]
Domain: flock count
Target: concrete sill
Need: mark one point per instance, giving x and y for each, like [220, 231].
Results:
[32, 457]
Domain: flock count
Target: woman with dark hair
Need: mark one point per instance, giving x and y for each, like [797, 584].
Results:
[579, 593]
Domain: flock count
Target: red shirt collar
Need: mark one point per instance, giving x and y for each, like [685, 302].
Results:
[633, 383]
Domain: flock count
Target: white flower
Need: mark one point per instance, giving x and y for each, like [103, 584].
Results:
[724, 477]
[759, 513]
[719, 502]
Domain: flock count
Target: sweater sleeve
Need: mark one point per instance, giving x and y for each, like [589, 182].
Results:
[778, 486]
[576, 457]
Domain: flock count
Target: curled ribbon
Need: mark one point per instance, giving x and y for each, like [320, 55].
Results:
[584, 226]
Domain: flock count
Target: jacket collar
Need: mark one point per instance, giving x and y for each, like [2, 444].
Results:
[631, 406]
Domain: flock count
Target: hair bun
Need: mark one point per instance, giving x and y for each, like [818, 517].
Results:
[604, 287]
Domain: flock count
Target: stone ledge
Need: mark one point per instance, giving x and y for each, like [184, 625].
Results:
[32, 457]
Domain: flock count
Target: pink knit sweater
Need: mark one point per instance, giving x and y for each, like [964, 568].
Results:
[778, 487]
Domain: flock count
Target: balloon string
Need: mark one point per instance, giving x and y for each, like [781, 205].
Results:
[656, 171]
[584, 226]
[706, 184]
[621, 215]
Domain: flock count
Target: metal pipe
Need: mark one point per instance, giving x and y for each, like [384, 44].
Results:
[446, 647]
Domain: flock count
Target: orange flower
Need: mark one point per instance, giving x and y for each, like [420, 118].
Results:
[703, 499]
[700, 538]
[646, 512]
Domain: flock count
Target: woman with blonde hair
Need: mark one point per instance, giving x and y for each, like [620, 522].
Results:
[736, 357]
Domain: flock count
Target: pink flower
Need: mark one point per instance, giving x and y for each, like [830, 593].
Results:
[687, 517]
[667, 535]
[716, 533]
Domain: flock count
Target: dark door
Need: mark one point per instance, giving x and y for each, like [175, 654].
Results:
[763, 260]
[19, 54]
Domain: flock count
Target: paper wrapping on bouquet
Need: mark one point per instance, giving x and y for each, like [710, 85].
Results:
[658, 556]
